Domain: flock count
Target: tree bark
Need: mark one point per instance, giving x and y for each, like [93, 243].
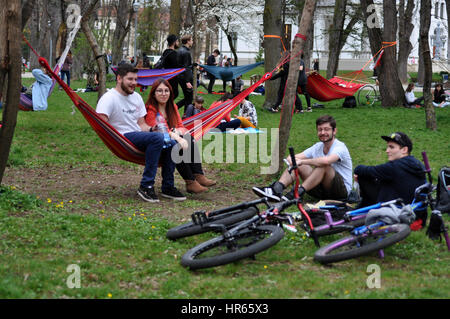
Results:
[272, 47]
[291, 85]
[425, 20]
[447, 6]
[125, 12]
[10, 67]
[335, 37]
[391, 89]
[405, 28]
[27, 10]
[175, 17]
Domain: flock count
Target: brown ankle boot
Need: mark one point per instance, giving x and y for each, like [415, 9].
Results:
[204, 181]
[194, 187]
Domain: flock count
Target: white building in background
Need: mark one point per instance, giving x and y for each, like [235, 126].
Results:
[356, 52]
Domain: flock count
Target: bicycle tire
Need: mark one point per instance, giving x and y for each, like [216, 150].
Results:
[354, 246]
[367, 98]
[260, 238]
[228, 218]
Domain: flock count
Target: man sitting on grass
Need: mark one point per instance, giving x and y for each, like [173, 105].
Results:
[398, 178]
[325, 168]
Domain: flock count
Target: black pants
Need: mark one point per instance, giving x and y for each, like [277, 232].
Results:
[233, 124]
[306, 94]
[418, 101]
[212, 80]
[193, 165]
[188, 95]
[280, 96]
[368, 189]
[174, 83]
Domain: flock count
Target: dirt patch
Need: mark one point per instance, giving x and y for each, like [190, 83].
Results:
[116, 185]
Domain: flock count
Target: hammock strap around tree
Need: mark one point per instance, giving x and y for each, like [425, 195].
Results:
[377, 56]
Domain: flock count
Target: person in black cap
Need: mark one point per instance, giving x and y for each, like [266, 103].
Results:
[398, 178]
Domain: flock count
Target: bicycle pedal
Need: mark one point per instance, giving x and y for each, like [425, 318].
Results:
[199, 218]
[289, 227]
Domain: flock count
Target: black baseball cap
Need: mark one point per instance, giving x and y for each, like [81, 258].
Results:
[400, 138]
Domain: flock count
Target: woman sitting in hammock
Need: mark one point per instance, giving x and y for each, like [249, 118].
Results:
[163, 116]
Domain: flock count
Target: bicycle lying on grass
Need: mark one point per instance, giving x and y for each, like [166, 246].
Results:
[246, 231]
[374, 237]
[250, 236]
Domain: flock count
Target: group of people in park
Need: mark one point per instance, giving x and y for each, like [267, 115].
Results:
[439, 97]
[326, 168]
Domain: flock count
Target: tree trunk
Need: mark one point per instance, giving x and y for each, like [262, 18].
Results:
[335, 37]
[309, 45]
[374, 32]
[291, 85]
[123, 24]
[272, 47]
[95, 49]
[27, 10]
[391, 89]
[175, 17]
[447, 6]
[425, 20]
[405, 28]
[10, 66]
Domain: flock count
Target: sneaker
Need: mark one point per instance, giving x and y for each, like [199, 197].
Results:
[272, 109]
[173, 193]
[148, 194]
[272, 192]
[290, 195]
[309, 109]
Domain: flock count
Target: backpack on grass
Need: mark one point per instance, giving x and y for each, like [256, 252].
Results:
[443, 191]
[349, 102]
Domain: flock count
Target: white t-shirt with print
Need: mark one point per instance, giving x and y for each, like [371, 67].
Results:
[123, 111]
[343, 166]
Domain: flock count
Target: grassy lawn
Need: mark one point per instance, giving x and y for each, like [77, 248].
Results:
[66, 200]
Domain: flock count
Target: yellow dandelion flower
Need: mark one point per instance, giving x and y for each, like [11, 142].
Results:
[109, 295]
[49, 200]
[265, 266]
[153, 227]
[129, 218]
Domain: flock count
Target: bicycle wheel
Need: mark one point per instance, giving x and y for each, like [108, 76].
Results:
[220, 251]
[367, 95]
[355, 246]
[228, 218]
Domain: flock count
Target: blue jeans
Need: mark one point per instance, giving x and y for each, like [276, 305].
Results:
[151, 143]
[233, 124]
[63, 76]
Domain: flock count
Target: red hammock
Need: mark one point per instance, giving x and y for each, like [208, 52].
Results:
[325, 90]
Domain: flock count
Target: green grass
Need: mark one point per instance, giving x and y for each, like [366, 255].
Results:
[119, 242]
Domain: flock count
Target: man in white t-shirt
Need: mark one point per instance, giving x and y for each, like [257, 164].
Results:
[125, 110]
[325, 168]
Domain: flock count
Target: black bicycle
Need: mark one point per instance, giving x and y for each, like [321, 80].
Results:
[251, 236]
